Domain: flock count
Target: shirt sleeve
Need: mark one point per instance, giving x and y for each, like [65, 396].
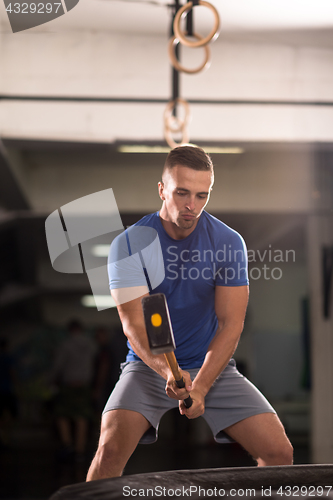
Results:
[124, 268]
[232, 262]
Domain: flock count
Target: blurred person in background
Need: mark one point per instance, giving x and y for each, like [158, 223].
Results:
[73, 372]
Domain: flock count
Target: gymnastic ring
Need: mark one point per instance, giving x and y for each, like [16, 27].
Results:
[181, 123]
[176, 64]
[181, 36]
[174, 123]
[171, 142]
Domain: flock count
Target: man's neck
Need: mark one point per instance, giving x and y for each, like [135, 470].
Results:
[174, 231]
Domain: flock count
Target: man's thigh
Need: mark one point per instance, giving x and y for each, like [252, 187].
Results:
[264, 437]
[141, 390]
[232, 399]
[122, 430]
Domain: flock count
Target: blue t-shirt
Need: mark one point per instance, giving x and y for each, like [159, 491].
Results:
[212, 255]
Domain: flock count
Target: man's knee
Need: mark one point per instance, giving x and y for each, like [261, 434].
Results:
[278, 453]
[107, 461]
[109, 452]
[121, 431]
[287, 453]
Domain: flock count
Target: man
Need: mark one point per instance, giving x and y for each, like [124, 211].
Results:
[206, 287]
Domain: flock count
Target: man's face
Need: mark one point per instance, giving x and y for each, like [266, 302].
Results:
[185, 193]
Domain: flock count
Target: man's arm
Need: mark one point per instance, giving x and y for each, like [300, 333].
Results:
[132, 319]
[230, 308]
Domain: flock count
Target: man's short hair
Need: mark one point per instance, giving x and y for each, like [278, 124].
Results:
[189, 156]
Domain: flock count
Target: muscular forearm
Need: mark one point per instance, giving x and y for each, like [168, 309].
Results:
[220, 350]
[139, 342]
[137, 337]
[131, 316]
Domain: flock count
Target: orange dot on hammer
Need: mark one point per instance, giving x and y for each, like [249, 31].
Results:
[156, 319]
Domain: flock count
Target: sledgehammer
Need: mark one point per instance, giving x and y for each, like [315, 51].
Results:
[160, 335]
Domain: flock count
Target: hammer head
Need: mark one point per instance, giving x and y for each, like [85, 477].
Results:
[158, 324]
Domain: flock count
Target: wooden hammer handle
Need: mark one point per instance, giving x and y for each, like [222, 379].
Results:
[172, 362]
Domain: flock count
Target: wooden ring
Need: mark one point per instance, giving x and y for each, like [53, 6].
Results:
[181, 126]
[173, 42]
[168, 137]
[174, 123]
[178, 124]
[181, 36]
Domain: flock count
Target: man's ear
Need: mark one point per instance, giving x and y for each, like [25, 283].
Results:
[160, 190]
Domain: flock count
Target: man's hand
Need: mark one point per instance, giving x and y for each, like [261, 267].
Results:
[198, 406]
[173, 391]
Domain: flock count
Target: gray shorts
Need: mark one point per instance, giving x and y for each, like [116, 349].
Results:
[231, 399]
